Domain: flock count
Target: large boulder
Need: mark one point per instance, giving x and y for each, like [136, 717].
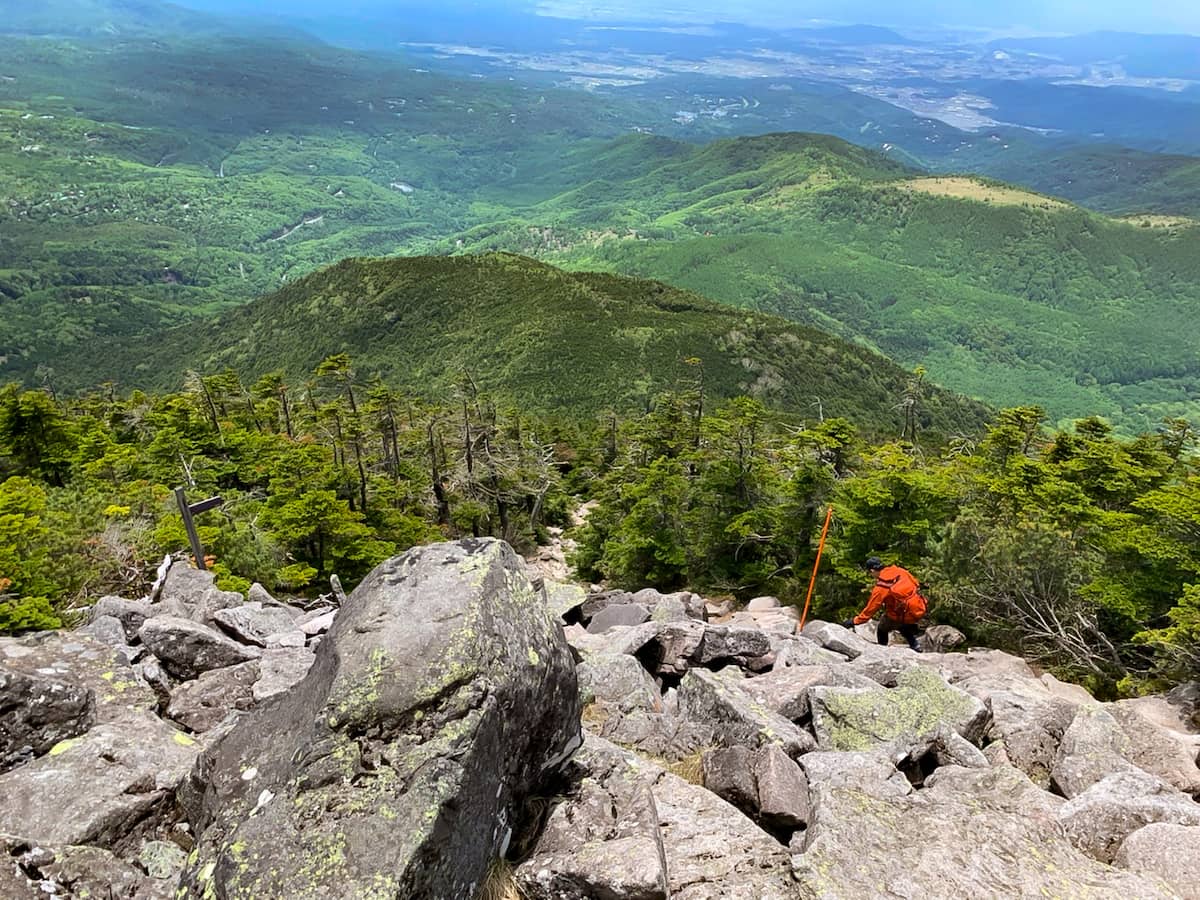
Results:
[37, 711]
[1154, 749]
[193, 594]
[765, 784]
[1093, 746]
[1171, 852]
[970, 833]
[833, 637]
[56, 685]
[99, 787]
[625, 614]
[1027, 723]
[187, 648]
[443, 694]
[131, 613]
[618, 682]
[200, 705]
[254, 623]
[785, 690]
[1100, 818]
[631, 831]
[593, 603]
[901, 718]
[279, 669]
[735, 717]
[725, 644]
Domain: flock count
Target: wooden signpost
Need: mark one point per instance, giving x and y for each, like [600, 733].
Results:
[194, 509]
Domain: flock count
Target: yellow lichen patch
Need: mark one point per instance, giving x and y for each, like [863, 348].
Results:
[183, 740]
[63, 746]
[980, 191]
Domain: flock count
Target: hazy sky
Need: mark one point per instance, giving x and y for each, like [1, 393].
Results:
[1042, 15]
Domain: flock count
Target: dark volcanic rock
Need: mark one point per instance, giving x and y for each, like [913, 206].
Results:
[187, 648]
[37, 711]
[97, 788]
[443, 694]
[55, 685]
[200, 705]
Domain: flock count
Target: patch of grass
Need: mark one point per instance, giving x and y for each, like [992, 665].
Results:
[965, 188]
[500, 883]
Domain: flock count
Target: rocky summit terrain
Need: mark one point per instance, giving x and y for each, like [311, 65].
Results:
[459, 709]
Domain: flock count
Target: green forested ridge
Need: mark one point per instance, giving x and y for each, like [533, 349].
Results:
[159, 180]
[1001, 294]
[576, 344]
[167, 179]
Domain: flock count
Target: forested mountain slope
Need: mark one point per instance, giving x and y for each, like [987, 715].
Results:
[1004, 294]
[572, 343]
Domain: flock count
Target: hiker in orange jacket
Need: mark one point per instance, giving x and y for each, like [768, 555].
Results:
[899, 593]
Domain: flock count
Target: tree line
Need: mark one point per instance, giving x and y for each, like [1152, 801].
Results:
[1075, 548]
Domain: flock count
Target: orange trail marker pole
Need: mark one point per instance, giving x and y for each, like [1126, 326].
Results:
[816, 563]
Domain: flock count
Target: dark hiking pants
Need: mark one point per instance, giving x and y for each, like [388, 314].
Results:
[887, 626]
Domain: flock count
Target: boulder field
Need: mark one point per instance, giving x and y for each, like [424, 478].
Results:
[461, 727]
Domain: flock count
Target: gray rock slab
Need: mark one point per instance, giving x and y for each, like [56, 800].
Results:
[253, 623]
[314, 625]
[95, 788]
[131, 613]
[619, 682]
[279, 670]
[900, 718]
[728, 773]
[709, 850]
[626, 614]
[562, 598]
[442, 696]
[192, 594]
[602, 600]
[1170, 852]
[836, 638]
[782, 789]
[1093, 747]
[735, 717]
[796, 650]
[1029, 724]
[38, 711]
[1169, 755]
[1102, 817]
[106, 630]
[762, 604]
[187, 648]
[56, 685]
[970, 833]
[200, 705]
[731, 642]
[785, 690]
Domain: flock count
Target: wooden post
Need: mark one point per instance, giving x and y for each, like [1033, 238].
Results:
[188, 511]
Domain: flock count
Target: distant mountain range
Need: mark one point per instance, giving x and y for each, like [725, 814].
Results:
[151, 181]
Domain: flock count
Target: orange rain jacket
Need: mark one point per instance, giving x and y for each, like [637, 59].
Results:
[898, 593]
